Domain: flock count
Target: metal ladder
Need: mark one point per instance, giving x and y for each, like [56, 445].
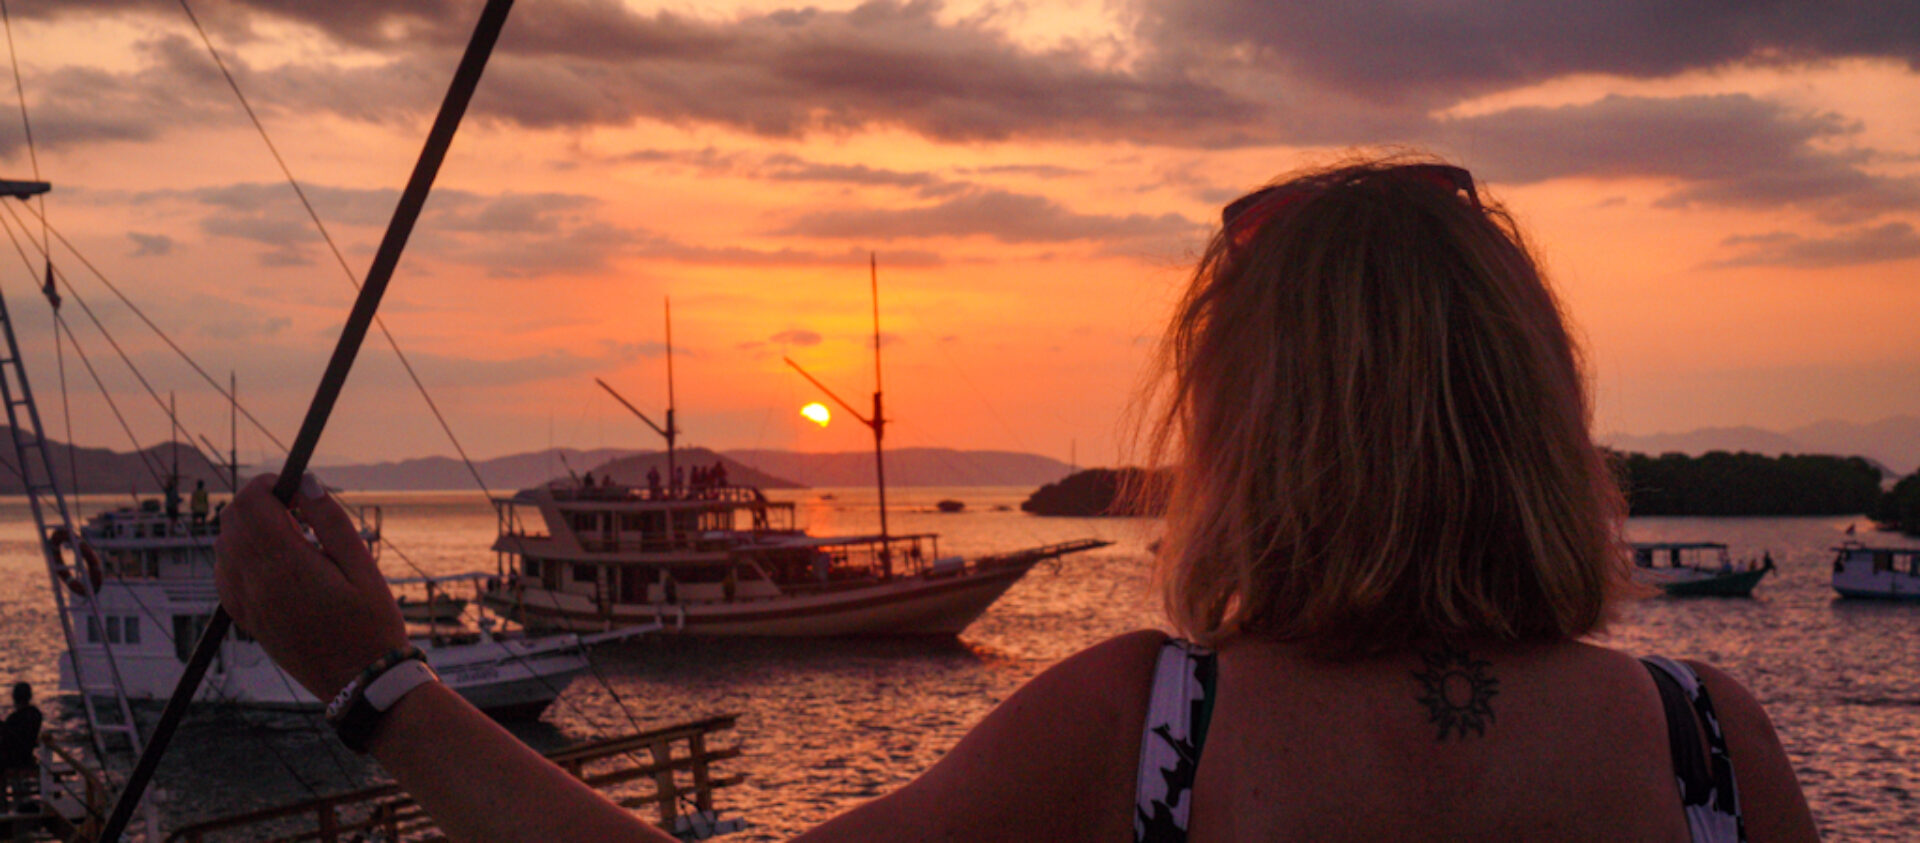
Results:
[36, 474]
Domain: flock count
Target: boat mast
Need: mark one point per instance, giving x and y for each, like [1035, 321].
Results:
[233, 430]
[879, 423]
[670, 432]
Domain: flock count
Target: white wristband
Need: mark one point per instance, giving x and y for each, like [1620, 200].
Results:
[389, 687]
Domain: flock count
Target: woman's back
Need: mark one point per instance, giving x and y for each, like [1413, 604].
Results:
[1563, 741]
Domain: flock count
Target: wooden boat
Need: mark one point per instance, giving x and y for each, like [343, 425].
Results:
[728, 561]
[1697, 569]
[950, 505]
[1877, 573]
[721, 559]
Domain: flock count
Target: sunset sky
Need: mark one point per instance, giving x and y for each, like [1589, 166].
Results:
[1725, 195]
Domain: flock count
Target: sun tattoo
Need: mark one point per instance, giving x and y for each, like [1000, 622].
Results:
[1457, 691]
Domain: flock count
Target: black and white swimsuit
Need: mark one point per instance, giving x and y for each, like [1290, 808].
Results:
[1182, 704]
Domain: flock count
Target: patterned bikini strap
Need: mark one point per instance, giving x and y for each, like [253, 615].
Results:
[1708, 791]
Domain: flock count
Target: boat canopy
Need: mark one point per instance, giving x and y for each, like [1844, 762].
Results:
[1679, 545]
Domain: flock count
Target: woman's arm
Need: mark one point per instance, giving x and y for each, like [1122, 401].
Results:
[324, 613]
[1771, 803]
[1055, 761]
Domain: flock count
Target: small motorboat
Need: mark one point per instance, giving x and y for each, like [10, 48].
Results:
[1697, 569]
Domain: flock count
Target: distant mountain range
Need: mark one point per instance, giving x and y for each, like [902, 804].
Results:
[764, 468]
[1892, 442]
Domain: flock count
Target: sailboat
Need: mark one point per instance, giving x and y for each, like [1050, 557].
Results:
[716, 558]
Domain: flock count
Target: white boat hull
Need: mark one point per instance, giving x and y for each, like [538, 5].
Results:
[918, 605]
[1877, 573]
[508, 677]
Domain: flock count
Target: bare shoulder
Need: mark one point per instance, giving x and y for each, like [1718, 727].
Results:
[1054, 761]
[1771, 802]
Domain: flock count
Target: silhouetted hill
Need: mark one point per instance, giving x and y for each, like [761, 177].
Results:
[1892, 442]
[1720, 483]
[1092, 492]
[104, 470]
[783, 469]
[503, 474]
[909, 467]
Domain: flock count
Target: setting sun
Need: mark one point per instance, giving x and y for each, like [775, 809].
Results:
[817, 413]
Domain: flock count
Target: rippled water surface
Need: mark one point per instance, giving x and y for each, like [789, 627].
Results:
[825, 724]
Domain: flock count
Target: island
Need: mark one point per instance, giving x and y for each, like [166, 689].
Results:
[1095, 492]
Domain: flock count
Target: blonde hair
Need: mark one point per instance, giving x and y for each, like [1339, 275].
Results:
[1379, 428]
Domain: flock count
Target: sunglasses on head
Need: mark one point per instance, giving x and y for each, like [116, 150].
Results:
[1244, 217]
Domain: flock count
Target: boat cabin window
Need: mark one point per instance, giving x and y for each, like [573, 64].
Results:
[1882, 561]
[530, 567]
[586, 573]
[1643, 557]
[630, 522]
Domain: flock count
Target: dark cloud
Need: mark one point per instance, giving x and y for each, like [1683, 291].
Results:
[509, 234]
[1001, 215]
[1729, 150]
[796, 336]
[884, 64]
[150, 245]
[1894, 241]
[1439, 53]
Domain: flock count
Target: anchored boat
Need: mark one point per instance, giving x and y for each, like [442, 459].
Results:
[1697, 569]
[727, 561]
[1878, 573]
[149, 577]
[721, 559]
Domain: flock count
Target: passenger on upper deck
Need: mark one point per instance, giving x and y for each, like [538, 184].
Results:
[1389, 535]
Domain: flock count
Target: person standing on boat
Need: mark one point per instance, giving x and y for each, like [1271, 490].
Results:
[172, 494]
[200, 505]
[653, 482]
[1389, 541]
[19, 737]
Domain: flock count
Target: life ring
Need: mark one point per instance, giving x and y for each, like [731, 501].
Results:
[88, 557]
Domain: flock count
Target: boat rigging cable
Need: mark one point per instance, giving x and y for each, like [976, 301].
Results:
[412, 200]
[146, 460]
[405, 363]
[220, 693]
[241, 409]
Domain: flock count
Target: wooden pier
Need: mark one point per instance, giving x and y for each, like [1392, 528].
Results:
[666, 772]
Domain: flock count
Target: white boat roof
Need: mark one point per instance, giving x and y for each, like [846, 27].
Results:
[1856, 547]
[1679, 545]
[469, 576]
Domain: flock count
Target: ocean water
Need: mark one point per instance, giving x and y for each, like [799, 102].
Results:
[827, 724]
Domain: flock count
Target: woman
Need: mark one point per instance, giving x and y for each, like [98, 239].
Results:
[1389, 523]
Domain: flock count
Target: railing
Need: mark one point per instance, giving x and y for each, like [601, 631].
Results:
[72, 798]
[676, 766]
